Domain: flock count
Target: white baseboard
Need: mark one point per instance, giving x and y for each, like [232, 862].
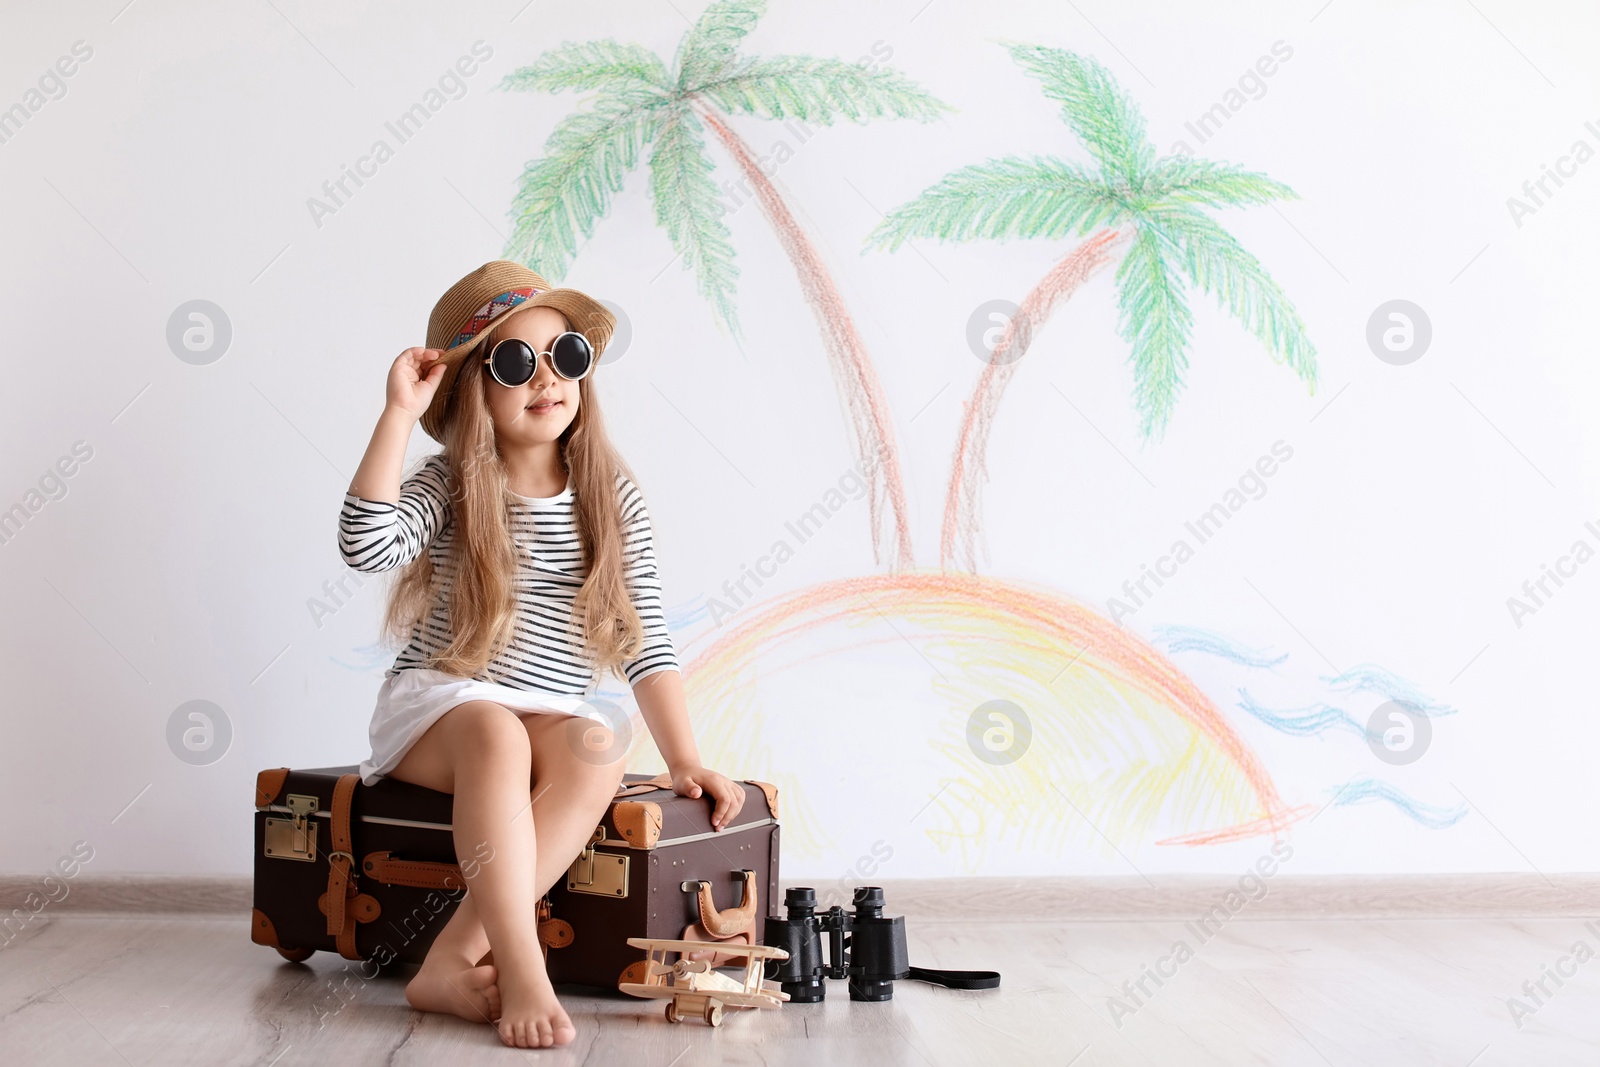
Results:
[1424, 896]
[1057, 899]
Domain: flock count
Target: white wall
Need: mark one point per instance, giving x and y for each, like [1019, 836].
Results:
[180, 561]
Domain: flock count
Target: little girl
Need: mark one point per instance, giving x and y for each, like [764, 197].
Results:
[529, 568]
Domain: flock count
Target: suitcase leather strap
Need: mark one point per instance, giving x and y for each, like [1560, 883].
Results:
[341, 875]
[552, 932]
[649, 785]
[419, 874]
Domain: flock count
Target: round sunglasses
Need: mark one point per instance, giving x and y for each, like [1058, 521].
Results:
[513, 361]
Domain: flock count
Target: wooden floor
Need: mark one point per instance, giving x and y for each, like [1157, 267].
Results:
[81, 990]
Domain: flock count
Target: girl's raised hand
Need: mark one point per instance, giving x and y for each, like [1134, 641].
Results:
[413, 380]
[697, 781]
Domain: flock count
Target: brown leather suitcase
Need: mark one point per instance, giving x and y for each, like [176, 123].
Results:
[385, 857]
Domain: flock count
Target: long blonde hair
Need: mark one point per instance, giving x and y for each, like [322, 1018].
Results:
[482, 607]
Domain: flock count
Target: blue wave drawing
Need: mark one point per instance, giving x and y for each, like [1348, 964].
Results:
[1311, 721]
[683, 616]
[1361, 790]
[1194, 639]
[1370, 678]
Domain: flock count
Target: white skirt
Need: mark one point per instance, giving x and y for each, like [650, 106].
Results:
[413, 699]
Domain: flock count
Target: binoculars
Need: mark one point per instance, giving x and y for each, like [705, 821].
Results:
[867, 947]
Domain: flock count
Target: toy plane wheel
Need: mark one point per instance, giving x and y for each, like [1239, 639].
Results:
[672, 1012]
[713, 1014]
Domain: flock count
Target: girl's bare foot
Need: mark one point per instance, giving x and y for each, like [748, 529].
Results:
[530, 1014]
[470, 992]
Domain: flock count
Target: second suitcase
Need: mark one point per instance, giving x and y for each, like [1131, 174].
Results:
[656, 869]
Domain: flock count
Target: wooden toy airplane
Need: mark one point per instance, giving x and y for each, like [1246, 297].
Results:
[694, 987]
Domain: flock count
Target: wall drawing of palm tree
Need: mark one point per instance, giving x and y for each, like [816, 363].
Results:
[638, 104]
[1128, 198]
[1117, 729]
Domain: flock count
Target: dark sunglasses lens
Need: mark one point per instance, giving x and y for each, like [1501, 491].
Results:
[512, 361]
[571, 355]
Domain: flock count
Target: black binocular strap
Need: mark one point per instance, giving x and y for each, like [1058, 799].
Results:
[956, 979]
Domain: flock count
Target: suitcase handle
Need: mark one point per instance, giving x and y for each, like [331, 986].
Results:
[729, 922]
[419, 874]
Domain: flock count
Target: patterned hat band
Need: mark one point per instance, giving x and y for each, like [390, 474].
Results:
[484, 316]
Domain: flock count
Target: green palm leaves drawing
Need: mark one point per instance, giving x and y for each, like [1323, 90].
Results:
[1155, 211]
[1154, 205]
[640, 106]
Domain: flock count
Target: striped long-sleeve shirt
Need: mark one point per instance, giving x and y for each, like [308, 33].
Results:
[546, 649]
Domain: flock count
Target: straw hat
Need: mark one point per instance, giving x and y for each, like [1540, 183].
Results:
[480, 300]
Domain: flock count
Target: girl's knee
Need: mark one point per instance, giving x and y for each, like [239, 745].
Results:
[603, 758]
[490, 730]
[600, 780]
[596, 786]
[608, 776]
[597, 774]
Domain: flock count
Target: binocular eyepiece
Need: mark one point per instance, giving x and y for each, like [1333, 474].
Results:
[867, 947]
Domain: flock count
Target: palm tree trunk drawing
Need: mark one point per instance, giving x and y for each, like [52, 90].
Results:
[959, 531]
[853, 372]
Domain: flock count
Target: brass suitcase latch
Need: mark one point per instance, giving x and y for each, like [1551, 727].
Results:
[294, 838]
[601, 873]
